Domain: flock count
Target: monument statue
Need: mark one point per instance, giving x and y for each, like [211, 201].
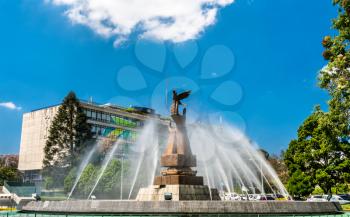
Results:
[178, 178]
[174, 109]
[179, 183]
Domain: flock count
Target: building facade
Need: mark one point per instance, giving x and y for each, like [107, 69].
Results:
[106, 121]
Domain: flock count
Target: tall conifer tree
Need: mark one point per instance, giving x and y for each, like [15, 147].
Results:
[69, 136]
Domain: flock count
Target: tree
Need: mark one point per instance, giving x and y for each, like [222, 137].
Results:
[110, 183]
[69, 136]
[322, 149]
[70, 179]
[48, 182]
[300, 184]
[8, 169]
[319, 156]
[87, 180]
[111, 177]
[108, 186]
[9, 174]
[335, 77]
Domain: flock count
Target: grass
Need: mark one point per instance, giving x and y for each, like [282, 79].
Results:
[8, 209]
[346, 207]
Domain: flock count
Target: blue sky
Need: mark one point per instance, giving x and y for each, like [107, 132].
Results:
[275, 47]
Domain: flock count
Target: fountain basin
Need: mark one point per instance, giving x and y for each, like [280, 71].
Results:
[182, 207]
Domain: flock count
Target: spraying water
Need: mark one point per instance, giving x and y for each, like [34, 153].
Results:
[228, 156]
[154, 164]
[105, 163]
[207, 176]
[225, 157]
[145, 150]
[121, 178]
[82, 166]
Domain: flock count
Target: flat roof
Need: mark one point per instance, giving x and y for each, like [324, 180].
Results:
[108, 105]
[85, 102]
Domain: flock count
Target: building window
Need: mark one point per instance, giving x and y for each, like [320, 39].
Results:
[98, 115]
[88, 113]
[93, 115]
[99, 130]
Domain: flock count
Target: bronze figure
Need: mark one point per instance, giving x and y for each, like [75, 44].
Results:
[174, 109]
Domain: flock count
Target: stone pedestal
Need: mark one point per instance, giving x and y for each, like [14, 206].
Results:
[178, 180]
[178, 177]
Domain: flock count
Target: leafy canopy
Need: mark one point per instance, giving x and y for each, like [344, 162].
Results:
[320, 155]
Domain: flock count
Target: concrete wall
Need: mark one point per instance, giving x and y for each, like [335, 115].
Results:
[35, 130]
[6, 202]
[168, 207]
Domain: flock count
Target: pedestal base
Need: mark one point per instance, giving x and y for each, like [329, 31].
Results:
[179, 192]
[178, 180]
[178, 160]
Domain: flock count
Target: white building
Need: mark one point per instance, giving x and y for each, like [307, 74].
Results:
[106, 120]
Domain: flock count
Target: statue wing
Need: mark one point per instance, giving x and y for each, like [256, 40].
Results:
[183, 95]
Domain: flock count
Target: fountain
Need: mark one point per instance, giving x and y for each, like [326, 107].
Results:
[178, 180]
[224, 156]
[105, 163]
[146, 149]
[81, 168]
[227, 157]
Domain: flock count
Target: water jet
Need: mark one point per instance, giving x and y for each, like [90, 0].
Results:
[231, 157]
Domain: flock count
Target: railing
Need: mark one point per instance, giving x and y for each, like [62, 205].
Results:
[14, 214]
[21, 189]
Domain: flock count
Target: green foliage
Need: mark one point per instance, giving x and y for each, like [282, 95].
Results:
[8, 169]
[111, 177]
[335, 77]
[338, 189]
[8, 174]
[341, 188]
[87, 180]
[318, 190]
[318, 155]
[109, 184]
[300, 184]
[48, 182]
[69, 136]
[70, 179]
[322, 150]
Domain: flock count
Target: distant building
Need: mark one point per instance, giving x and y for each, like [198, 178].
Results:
[106, 121]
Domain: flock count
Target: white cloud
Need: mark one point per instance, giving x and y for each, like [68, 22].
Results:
[164, 20]
[10, 105]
